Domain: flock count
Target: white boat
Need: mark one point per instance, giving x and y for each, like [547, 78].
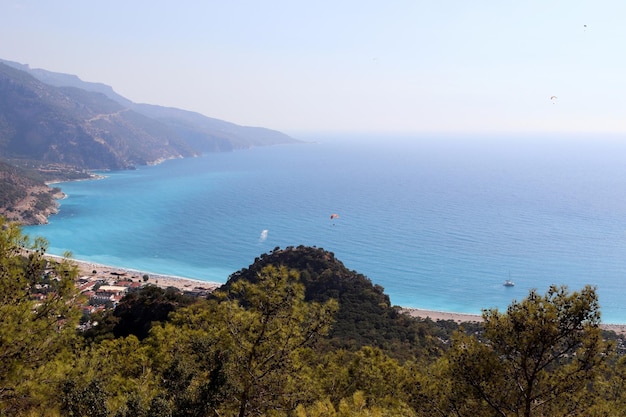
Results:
[508, 282]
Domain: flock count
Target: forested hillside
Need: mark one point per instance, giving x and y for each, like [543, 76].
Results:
[285, 339]
[365, 316]
[25, 199]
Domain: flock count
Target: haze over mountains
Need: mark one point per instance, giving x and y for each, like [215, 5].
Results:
[56, 127]
[58, 118]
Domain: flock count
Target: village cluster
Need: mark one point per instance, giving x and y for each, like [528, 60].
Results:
[103, 288]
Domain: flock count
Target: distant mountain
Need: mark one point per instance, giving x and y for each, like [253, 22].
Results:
[76, 127]
[58, 79]
[200, 133]
[57, 127]
[208, 135]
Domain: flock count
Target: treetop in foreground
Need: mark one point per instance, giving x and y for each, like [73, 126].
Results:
[540, 357]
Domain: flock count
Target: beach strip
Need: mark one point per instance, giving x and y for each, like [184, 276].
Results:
[443, 315]
[91, 269]
[476, 318]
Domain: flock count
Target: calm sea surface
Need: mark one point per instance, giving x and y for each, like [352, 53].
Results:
[439, 222]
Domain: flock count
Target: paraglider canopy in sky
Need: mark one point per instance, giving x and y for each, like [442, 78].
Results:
[334, 216]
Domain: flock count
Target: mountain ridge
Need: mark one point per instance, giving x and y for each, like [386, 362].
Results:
[56, 127]
[202, 133]
[67, 125]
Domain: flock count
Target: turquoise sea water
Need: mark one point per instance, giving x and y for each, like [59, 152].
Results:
[439, 222]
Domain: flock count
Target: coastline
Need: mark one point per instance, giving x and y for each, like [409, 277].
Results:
[91, 269]
[442, 315]
[476, 318]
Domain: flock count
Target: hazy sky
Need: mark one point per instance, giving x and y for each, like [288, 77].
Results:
[397, 66]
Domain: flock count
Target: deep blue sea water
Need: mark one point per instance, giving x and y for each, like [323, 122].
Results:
[439, 222]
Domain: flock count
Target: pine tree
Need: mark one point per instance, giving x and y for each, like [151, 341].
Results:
[265, 325]
[538, 358]
[37, 316]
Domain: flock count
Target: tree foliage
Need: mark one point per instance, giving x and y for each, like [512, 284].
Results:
[262, 347]
[533, 360]
[265, 325]
[365, 316]
[37, 315]
[137, 311]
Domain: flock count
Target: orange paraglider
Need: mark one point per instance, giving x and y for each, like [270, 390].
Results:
[334, 216]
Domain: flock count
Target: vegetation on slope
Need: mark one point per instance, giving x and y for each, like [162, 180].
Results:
[365, 315]
[260, 348]
[24, 199]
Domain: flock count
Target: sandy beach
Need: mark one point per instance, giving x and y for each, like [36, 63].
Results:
[464, 318]
[443, 315]
[99, 271]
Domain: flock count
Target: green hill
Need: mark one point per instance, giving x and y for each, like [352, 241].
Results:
[365, 317]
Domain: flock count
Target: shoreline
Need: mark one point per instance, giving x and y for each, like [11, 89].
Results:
[477, 318]
[435, 315]
[86, 269]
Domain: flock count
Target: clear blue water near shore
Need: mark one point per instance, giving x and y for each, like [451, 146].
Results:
[439, 222]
